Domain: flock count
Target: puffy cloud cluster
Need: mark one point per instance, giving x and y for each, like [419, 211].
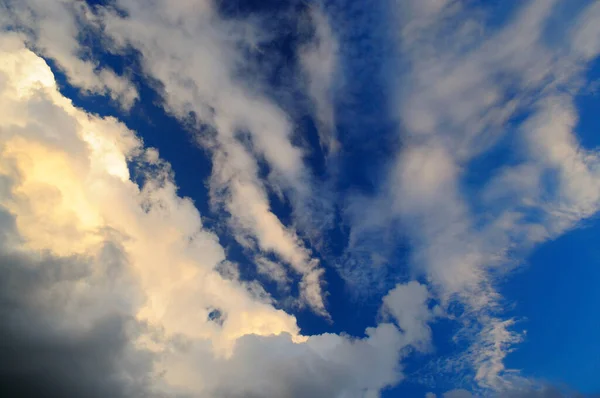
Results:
[200, 60]
[110, 288]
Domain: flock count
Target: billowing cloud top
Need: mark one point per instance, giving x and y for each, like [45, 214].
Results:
[324, 206]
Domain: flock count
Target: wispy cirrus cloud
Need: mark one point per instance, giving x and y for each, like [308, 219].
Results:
[319, 60]
[207, 85]
[464, 84]
[56, 37]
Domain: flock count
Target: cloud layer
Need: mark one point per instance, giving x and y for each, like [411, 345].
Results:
[114, 286]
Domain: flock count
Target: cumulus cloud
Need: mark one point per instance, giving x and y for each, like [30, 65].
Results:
[199, 59]
[99, 260]
[70, 191]
[65, 331]
[407, 303]
[112, 288]
[67, 294]
[325, 366]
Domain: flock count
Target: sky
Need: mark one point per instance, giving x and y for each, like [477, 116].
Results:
[290, 199]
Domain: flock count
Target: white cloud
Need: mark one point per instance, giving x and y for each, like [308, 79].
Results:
[70, 195]
[527, 391]
[70, 190]
[272, 270]
[465, 81]
[408, 305]
[325, 366]
[494, 342]
[80, 169]
[585, 35]
[162, 34]
[54, 28]
[319, 60]
[196, 56]
[235, 182]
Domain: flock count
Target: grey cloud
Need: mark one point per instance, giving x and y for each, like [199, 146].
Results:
[48, 350]
[457, 394]
[326, 366]
[68, 320]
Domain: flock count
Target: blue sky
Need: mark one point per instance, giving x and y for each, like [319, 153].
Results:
[300, 199]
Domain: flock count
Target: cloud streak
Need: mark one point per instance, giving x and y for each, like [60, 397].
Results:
[457, 100]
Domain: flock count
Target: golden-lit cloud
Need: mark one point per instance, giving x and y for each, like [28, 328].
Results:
[71, 196]
[71, 188]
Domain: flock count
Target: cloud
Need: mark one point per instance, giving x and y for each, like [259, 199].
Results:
[68, 194]
[48, 29]
[61, 333]
[250, 130]
[319, 61]
[494, 342]
[585, 33]
[462, 83]
[325, 366]
[272, 270]
[70, 191]
[457, 394]
[235, 182]
[206, 85]
[113, 288]
[407, 303]
[68, 294]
